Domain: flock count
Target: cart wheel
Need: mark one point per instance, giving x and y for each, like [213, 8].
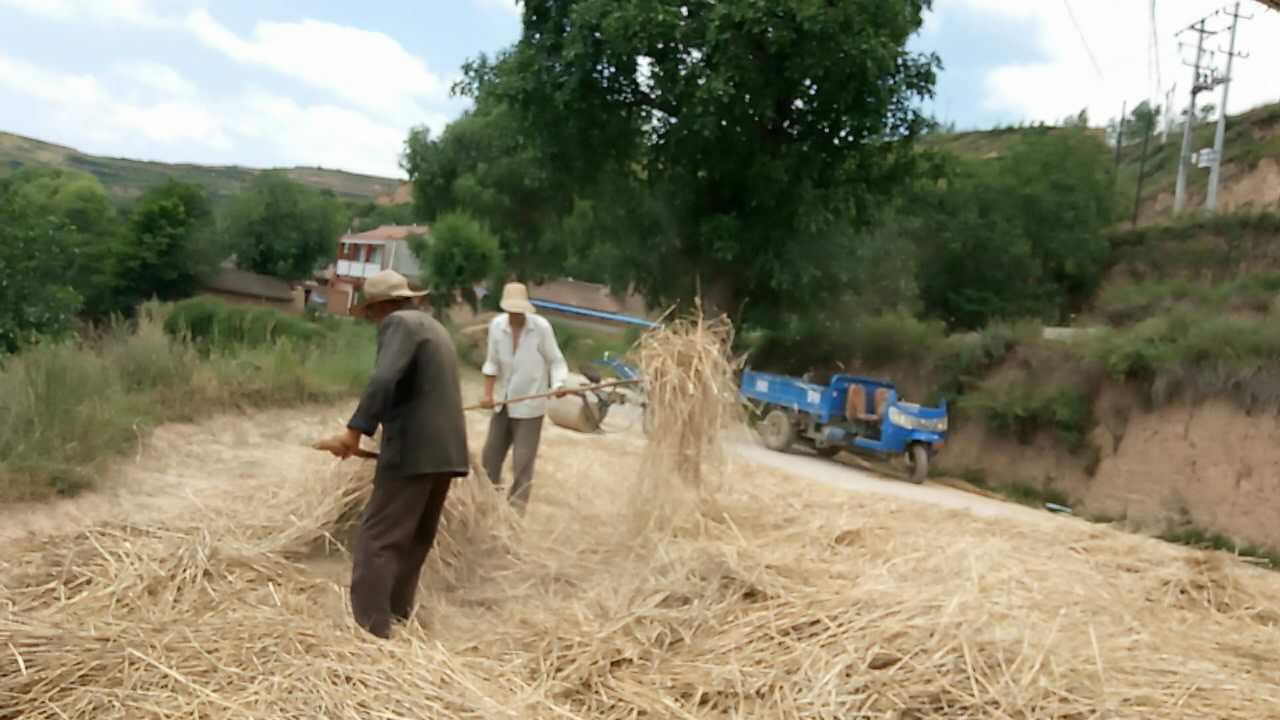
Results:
[918, 459]
[777, 431]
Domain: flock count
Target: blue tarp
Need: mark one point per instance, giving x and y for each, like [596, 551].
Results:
[572, 310]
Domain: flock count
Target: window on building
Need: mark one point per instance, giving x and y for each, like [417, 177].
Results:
[375, 255]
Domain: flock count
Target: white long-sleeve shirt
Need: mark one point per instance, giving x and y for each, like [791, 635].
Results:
[536, 367]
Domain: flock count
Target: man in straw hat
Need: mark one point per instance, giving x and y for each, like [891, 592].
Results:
[414, 395]
[523, 359]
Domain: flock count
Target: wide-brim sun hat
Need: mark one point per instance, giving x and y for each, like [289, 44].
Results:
[515, 299]
[384, 286]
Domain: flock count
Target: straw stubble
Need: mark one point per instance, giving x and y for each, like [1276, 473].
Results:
[779, 599]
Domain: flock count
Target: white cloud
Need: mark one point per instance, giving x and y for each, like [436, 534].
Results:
[136, 12]
[52, 87]
[1116, 35]
[369, 70]
[511, 7]
[157, 77]
[251, 127]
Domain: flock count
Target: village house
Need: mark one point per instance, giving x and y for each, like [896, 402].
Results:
[241, 287]
[362, 255]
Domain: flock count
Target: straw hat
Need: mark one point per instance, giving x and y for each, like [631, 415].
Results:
[384, 286]
[515, 299]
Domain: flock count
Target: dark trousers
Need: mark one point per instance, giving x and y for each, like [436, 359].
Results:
[522, 438]
[396, 532]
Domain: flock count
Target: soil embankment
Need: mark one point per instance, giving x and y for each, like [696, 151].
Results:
[1208, 466]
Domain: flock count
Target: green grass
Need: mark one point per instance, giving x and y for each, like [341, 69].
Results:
[1032, 496]
[66, 409]
[1207, 540]
[581, 345]
[126, 180]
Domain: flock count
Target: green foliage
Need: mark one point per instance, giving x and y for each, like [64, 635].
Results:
[1026, 408]
[1017, 236]
[36, 250]
[461, 253]
[282, 228]
[168, 248]
[68, 408]
[486, 165]
[1032, 496]
[961, 361]
[1208, 250]
[1208, 540]
[370, 215]
[646, 108]
[212, 324]
[830, 341]
[581, 344]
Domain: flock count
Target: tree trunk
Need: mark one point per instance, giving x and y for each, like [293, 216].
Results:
[719, 297]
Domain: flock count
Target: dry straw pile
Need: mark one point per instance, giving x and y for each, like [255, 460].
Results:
[689, 372]
[786, 600]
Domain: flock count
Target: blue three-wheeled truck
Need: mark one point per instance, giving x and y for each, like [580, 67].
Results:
[849, 413]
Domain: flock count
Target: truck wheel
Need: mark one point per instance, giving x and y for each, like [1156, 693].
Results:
[777, 431]
[918, 460]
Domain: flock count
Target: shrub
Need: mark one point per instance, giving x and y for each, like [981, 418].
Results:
[212, 324]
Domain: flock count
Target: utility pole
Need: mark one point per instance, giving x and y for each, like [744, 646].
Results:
[1124, 108]
[1215, 172]
[1148, 131]
[1197, 85]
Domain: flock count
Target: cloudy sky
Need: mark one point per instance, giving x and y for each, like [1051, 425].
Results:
[338, 83]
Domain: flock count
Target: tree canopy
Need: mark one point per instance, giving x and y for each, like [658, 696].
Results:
[721, 145]
[170, 247]
[36, 248]
[486, 165]
[460, 253]
[283, 228]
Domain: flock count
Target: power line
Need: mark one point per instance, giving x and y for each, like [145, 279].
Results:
[1155, 45]
[1083, 40]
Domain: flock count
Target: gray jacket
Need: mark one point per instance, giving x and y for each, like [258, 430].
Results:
[414, 394]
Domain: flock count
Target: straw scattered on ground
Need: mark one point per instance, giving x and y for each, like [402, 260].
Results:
[780, 599]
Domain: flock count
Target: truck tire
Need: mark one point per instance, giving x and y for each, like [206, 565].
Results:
[918, 461]
[777, 431]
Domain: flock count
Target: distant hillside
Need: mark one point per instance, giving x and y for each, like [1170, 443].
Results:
[127, 179]
[1250, 178]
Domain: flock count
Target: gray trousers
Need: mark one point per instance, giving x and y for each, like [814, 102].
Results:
[396, 533]
[506, 433]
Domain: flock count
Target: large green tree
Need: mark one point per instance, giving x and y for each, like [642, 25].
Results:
[36, 294]
[741, 137]
[283, 228]
[487, 165]
[460, 253]
[87, 221]
[1016, 236]
[169, 246]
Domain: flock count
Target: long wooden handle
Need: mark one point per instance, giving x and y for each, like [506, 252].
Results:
[572, 391]
[371, 455]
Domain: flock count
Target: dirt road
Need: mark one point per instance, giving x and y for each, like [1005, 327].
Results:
[842, 475]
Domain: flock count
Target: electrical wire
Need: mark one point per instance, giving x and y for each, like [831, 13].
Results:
[1083, 40]
[1155, 44]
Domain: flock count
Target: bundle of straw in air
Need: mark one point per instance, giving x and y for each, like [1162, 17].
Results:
[691, 395]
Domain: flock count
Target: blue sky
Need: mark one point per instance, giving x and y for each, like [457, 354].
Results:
[338, 84]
